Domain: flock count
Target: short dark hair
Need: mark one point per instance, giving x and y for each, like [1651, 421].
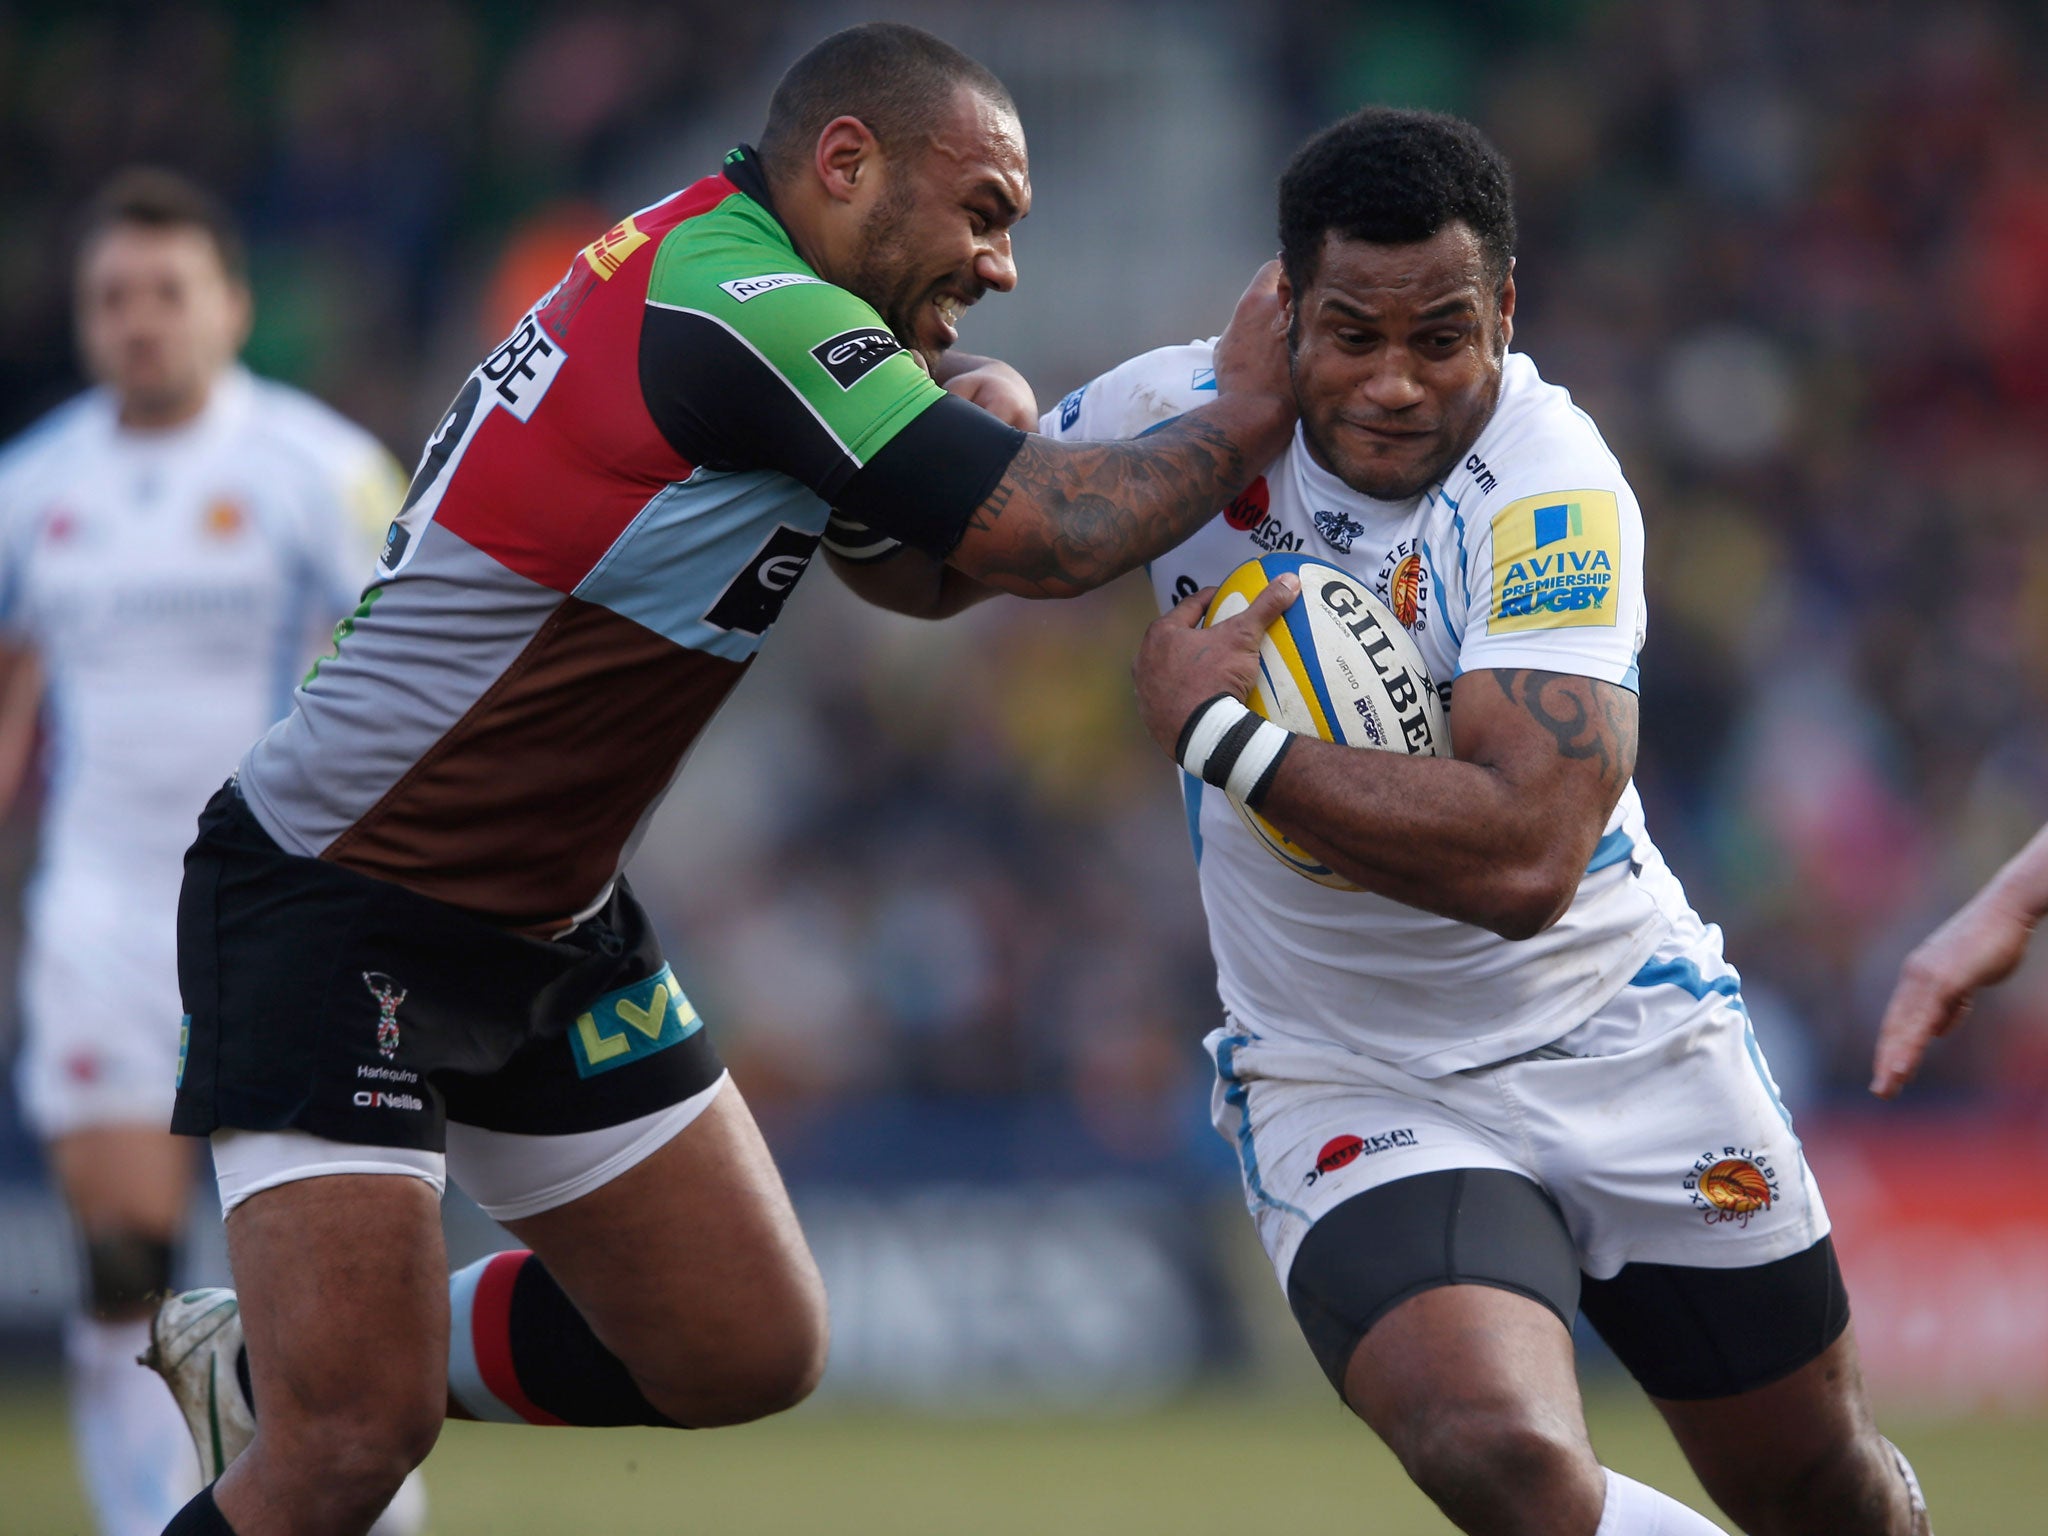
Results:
[1394, 176]
[153, 198]
[897, 79]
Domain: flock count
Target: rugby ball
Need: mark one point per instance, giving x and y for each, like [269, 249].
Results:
[1338, 666]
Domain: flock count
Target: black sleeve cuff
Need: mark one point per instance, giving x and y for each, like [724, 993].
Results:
[926, 483]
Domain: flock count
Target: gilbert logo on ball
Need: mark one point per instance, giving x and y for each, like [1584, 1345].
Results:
[1338, 666]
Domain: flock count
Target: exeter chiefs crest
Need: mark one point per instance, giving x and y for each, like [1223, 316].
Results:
[1731, 1186]
[389, 995]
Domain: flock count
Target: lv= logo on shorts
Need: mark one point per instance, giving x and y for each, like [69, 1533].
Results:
[632, 1023]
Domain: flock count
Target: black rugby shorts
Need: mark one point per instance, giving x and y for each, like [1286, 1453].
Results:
[323, 1000]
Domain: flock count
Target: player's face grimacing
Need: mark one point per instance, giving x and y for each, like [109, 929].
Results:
[158, 319]
[938, 235]
[1397, 355]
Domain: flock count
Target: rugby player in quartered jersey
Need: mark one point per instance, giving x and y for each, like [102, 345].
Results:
[405, 939]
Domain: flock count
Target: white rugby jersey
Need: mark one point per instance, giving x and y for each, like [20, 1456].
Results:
[174, 585]
[1528, 554]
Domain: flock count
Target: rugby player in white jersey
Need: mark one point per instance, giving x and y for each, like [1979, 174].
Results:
[1513, 1076]
[173, 544]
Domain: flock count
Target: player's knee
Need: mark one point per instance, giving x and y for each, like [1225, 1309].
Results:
[1852, 1488]
[1467, 1457]
[124, 1274]
[765, 1369]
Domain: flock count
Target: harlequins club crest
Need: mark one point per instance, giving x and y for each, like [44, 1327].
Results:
[389, 995]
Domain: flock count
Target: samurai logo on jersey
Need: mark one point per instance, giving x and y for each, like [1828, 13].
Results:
[852, 355]
[1554, 559]
[1250, 513]
[1731, 1186]
[754, 599]
[1403, 585]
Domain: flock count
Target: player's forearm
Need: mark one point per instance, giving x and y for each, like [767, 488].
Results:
[1068, 517]
[912, 583]
[2021, 887]
[1454, 838]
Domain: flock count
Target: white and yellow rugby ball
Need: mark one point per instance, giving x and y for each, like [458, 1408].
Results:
[1337, 665]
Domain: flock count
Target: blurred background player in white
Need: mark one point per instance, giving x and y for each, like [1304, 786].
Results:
[1979, 946]
[173, 544]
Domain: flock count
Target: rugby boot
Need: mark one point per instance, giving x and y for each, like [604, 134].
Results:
[195, 1340]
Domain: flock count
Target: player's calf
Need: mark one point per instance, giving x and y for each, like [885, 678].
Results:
[1501, 1469]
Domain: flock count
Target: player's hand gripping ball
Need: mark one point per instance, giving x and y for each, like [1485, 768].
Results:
[1338, 666]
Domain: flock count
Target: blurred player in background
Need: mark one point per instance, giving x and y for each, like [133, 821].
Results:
[1978, 947]
[173, 545]
[1512, 1074]
[405, 942]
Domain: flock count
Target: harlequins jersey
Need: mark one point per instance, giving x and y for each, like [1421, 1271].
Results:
[601, 531]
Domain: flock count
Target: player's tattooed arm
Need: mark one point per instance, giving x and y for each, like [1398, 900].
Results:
[1498, 836]
[1067, 517]
[1591, 722]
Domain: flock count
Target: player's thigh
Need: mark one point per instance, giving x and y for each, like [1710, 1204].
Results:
[343, 1283]
[692, 1258]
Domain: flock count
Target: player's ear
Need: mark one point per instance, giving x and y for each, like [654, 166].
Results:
[844, 157]
[1283, 290]
[1507, 307]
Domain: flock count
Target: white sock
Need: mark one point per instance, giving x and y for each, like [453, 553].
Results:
[406, 1514]
[134, 1453]
[1636, 1509]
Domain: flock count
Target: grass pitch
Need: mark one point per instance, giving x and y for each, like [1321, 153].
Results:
[1213, 1465]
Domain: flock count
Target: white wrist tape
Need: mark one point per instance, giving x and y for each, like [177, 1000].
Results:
[1225, 744]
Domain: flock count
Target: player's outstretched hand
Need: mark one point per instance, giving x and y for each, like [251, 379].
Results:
[1182, 665]
[1251, 355]
[995, 386]
[1980, 945]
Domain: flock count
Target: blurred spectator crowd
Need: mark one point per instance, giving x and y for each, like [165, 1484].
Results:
[1792, 257]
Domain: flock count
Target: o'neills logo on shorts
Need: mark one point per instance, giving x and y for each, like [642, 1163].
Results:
[1342, 1151]
[369, 1099]
[1731, 1185]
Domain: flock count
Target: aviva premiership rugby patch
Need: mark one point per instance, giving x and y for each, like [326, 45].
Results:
[632, 1023]
[1555, 559]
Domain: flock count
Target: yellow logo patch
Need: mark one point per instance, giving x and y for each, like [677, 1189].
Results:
[1556, 562]
[608, 252]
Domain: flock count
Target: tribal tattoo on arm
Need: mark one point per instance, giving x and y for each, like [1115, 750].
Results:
[1589, 720]
[1067, 517]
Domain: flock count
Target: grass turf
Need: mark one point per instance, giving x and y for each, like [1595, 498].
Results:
[1212, 1464]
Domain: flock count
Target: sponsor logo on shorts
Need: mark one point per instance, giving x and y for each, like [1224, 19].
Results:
[379, 1099]
[852, 355]
[1731, 1185]
[389, 995]
[609, 251]
[1343, 1151]
[631, 1024]
[745, 288]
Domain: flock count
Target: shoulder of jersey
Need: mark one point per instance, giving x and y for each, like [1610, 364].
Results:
[53, 432]
[1539, 435]
[1133, 397]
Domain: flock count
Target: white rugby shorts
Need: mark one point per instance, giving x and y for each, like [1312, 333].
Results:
[100, 1016]
[1654, 1125]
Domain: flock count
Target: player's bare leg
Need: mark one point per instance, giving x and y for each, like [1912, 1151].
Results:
[127, 1187]
[1802, 1456]
[691, 1269]
[1474, 1389]
[344, 1292]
